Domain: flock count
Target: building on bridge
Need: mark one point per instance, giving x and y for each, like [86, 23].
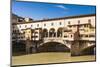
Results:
[75, 32]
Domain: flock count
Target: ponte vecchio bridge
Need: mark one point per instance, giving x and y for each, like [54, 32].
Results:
[76, 33]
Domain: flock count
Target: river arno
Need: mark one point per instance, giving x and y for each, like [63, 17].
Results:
[49, 57]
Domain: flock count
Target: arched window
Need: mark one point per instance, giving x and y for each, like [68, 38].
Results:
[89, 20]
[44, 24]
[60, 23]
[59, 32]
[78, 21]
[52, 24]
[68, 22]
[45, 33]
[37, 25]
[52, 32]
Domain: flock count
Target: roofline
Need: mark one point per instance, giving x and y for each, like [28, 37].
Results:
[68, 17]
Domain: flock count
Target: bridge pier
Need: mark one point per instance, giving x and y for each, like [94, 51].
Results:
[31, 47]
[28, 46]
[75, 48]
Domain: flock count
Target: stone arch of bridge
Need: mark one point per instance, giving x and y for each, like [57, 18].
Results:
[88, 50]
[53, 47]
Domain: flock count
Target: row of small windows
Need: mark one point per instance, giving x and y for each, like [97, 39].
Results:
[60, 23]
[89, 21]
[68, 36]
[31, 26]
[38, 25]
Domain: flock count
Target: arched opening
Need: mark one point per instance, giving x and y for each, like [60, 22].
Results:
[53, 47]
[59, 32]
[45, 33]
[52, 32]
[89, 50]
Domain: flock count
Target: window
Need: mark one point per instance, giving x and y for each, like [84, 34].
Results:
[19, 33]
[36, 32]
[89, 20]
[71, 35]
[13, 27]
[31, 25]
[22, 37]
[86, 25]
[60, 23]
[23, 32]
[25, 26]
[37, 25]
[34, 36]
[92, 30]
[66, 36]
[44, 24]
[91, 35]
[70, 26]
[80, 35]
[52, 24]
[68, 22]
[20, 20]
[90, 42]
[86, 35]
[20, 26]
[78, 21]
[13, 31]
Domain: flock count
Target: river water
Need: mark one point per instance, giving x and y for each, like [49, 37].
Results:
[49, 57]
